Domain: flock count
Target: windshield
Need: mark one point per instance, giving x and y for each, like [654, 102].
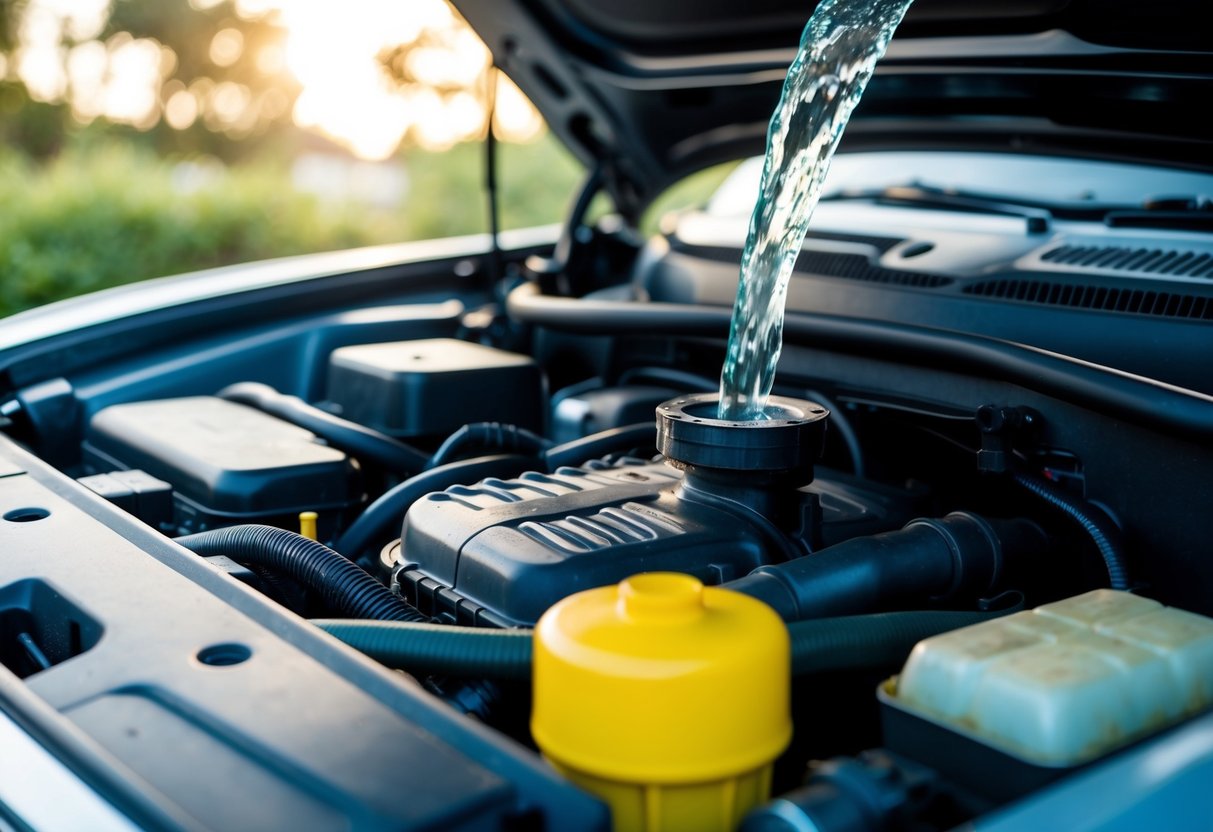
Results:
[1035, 178]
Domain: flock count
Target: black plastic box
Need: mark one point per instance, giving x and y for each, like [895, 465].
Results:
[227, 463]
[136, 492]
[434, 386]
[965, 761]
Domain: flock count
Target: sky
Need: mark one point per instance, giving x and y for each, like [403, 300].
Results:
[345, 94]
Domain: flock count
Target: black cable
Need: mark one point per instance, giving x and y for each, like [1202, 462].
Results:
[679, 379]
[368, 445]
[342, 585]
[599, 444]
[1103, 532]
[493, 437]
[382, 518]
[840, 423]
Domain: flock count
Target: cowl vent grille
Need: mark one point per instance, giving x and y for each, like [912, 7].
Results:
[837, 264]
[1101, 298]
[1141, 260]
[858, 267]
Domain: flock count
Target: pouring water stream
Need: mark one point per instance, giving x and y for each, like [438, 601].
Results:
[839, 49]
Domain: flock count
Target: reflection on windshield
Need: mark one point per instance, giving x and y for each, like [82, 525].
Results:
[1027, 177]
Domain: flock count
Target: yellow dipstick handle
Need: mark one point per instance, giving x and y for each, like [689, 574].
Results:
[307, 524]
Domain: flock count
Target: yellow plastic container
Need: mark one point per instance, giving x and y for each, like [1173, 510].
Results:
[667, 699]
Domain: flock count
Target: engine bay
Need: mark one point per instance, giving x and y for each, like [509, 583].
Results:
[402, 443]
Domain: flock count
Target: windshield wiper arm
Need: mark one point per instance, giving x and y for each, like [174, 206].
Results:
[1186, 213]
[1038, 217]
[1178, 213]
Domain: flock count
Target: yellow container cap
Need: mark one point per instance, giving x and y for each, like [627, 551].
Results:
[661, 680]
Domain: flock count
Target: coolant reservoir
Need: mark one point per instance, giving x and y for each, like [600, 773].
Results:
[1066, 682]
[666, 698]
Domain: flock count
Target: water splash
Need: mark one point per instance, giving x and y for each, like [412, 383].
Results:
[838, 51]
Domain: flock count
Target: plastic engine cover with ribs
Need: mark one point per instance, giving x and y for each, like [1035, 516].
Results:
[500, 552]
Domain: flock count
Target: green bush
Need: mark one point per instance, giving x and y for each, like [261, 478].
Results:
[95, 217]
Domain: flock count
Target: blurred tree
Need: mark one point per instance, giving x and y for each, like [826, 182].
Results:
[8, 24]
[220, 82]
[211, 76]
[226, 84]
[37, 128]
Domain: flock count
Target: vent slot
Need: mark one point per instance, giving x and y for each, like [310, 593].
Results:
[858, 267]
[1099, 298]
[842, 265]
[1172, 262]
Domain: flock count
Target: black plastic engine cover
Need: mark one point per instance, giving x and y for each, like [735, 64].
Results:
[227, 463]
[500, 552]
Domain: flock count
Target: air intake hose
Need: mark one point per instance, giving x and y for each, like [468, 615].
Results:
[341, 584]
[960, 556]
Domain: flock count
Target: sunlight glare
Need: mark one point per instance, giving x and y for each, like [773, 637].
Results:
[347, 96]
[515, 118]
[86, 65]
[181, 109]
[226, 47]
[133, 83]
[346, 92]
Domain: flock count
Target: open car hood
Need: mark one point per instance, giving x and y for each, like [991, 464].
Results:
[651, 90]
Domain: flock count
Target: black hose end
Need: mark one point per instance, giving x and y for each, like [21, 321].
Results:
[984, 552]
[769, 586]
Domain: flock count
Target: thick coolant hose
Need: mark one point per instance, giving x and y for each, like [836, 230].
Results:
[959, 556]
[871, 642]
[1098, 526]
[438, 648]
[492, 437]
[855, 642]
[381, 519]
[341, 584]
[367, 444]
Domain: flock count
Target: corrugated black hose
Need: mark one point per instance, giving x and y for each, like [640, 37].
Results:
[856, 642]
[341, 584]
[1098, 526]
